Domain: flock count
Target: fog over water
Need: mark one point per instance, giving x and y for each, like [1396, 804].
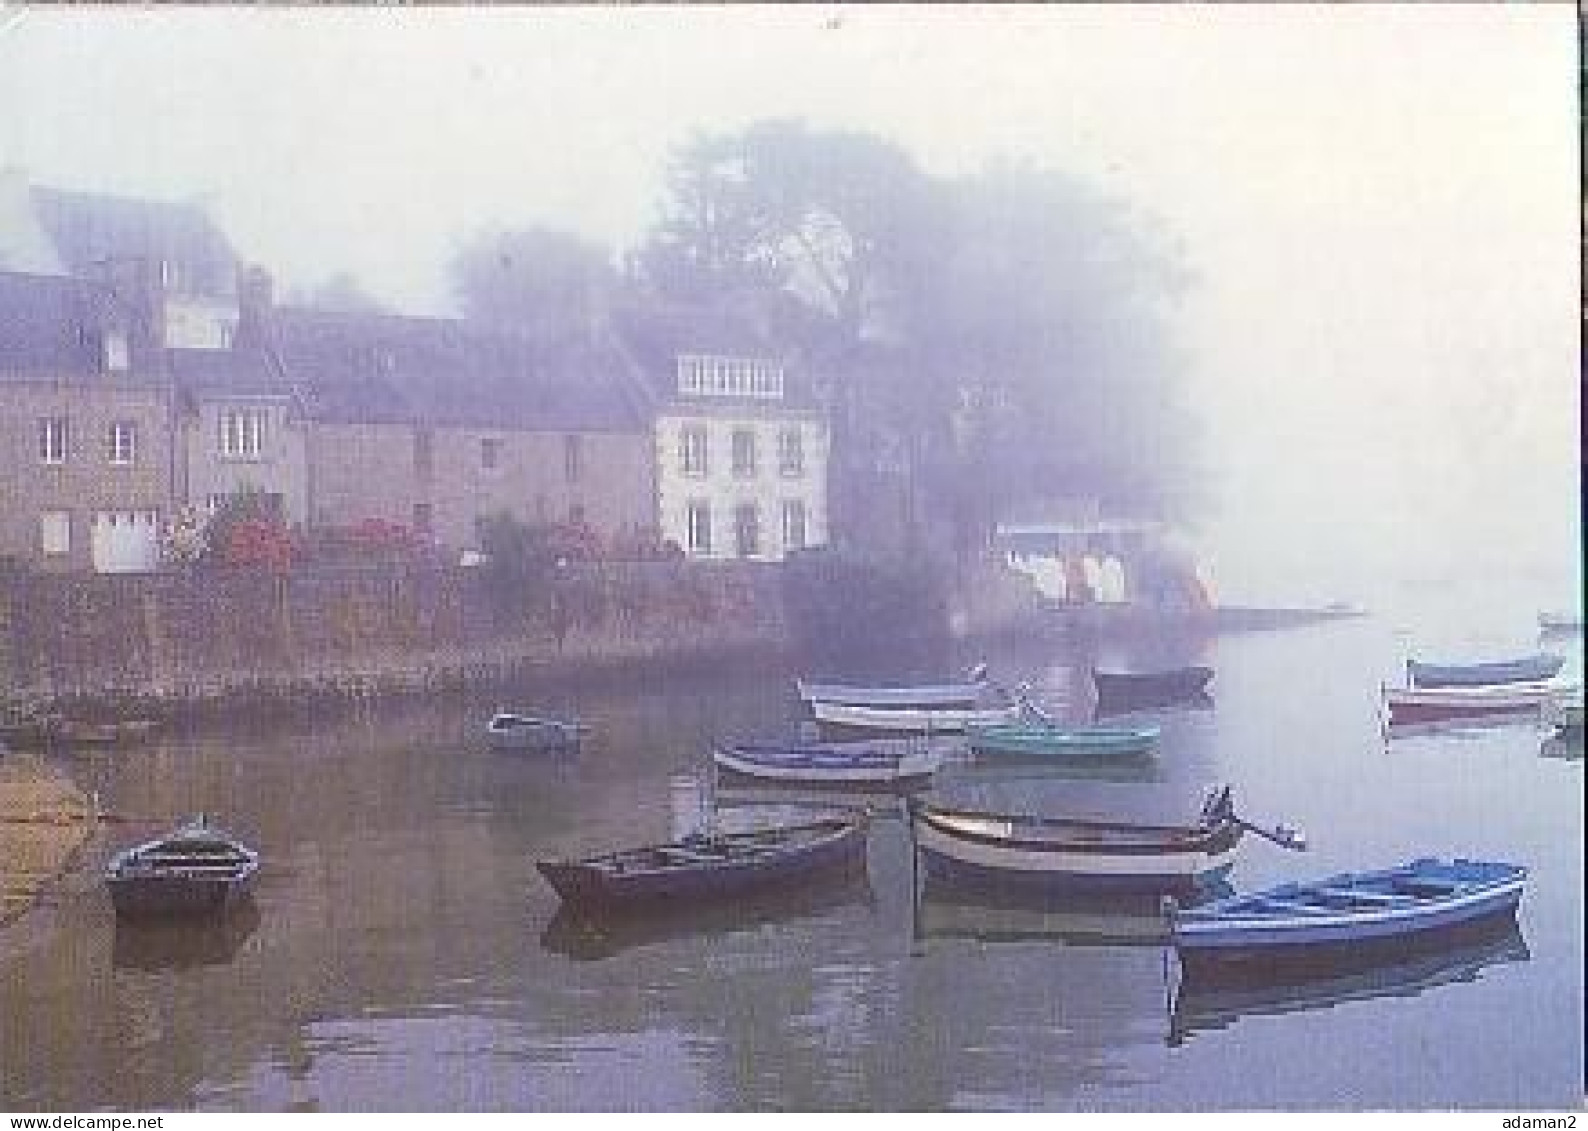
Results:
[1379, 205]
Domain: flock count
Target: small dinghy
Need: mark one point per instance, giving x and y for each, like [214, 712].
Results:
[508, 730]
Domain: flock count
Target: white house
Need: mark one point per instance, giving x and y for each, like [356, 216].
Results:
[741, 459]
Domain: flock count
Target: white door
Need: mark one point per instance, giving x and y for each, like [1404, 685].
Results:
[126, 541]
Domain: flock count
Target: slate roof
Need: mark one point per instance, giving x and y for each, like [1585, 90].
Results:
[53, 326]
[656, 335]
[89, 229]
[373, 368]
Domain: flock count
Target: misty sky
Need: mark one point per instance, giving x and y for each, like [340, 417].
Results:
[1380, 203]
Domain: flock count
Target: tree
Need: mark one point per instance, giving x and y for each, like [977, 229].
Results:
[341, 293]
[982, 343]
[544, 285]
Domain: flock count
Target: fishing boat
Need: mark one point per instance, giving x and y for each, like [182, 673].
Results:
[886, 763]
[1208, 1000]
[1116, 689]
[1015, 851]
[1439, 704]
[963, 694]
[1032, 739]
[510, 731]
[1349, 914]
[195, 870]
[838, 719]
[712, 866]
[1523, 669]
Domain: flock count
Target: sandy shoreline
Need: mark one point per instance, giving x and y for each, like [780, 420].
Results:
[45, 822]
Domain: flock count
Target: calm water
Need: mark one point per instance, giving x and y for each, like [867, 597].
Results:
[405, 956]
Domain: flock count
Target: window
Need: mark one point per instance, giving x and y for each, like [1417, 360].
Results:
[424, 515]
[744, 453]
[697, 527]
[123, 442]
[115, 351]
[55, 532]
[793, 525]
[242, 433]
[54, 438]
[572, 457]
[791, 453]
[746, 530]
[692, 451]
[490, 454]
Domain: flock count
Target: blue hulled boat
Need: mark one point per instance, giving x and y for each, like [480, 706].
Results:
[1523, 669]
[1345, 914]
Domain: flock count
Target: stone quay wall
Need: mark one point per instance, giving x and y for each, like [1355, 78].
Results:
[218, 635]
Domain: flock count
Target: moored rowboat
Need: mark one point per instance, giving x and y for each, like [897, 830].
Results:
[909, 720]
[194, 870]
[961, 695]
[888, 763]
[1523, 669]
[1025, 851]
[1344, 913]
[1150, 689]
[1437, 704]
[1045, 740]
[712, 867]
[510, 731]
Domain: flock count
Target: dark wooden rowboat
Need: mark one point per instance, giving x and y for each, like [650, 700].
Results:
[194, 870]
[712, 867]
[1125, 690]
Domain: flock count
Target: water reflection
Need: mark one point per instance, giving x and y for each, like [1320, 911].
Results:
[165, 945]
[946, 912]
[1212, 1002]
[586, 936]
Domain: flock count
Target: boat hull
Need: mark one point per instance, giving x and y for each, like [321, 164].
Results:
[1035, 855]
[845, 718]
[1526, 669]
[1339, 920]
[960, 695]
[533, 734]
[594, 888]
[1440, 704]
[1016, 741]
[876, 765]
[161, 897]
[1117, 690]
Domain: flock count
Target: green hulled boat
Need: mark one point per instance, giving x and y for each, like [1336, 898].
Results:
[1036, 739]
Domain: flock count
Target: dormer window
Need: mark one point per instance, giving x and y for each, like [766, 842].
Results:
[702, 375]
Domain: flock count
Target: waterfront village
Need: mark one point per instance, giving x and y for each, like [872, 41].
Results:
[166, 418]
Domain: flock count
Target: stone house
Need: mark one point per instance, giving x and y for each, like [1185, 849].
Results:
[435, 424]
[85, 425]
[740, 444]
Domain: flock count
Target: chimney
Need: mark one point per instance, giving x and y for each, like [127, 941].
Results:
[255, 301]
